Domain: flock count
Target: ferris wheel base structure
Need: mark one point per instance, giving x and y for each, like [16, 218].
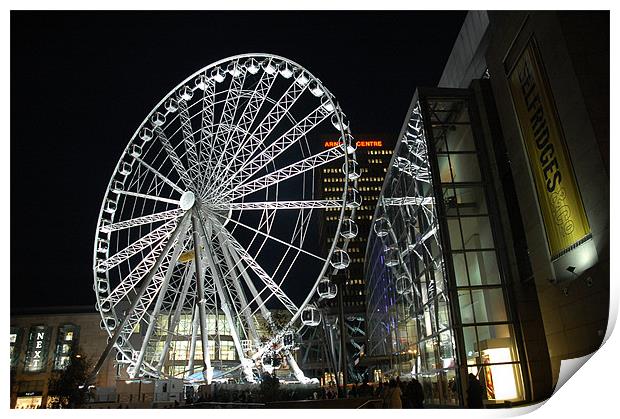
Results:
[203, 229]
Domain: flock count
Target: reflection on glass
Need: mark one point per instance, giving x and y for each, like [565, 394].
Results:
[500, 334]
[471, 344]
[429, 354]
[482, 268]
[436, 389]
[459, 168]
[460, 138]
[460, 272]
[477, 232]
[468, 200]
[444, 169]
[452, 396]
[454, 137]
[446, 350]
[454, 228]
[443, 316]
[465, 304]
[489, 305]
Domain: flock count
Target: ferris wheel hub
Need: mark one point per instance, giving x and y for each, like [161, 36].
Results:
[220, 216]
[187, 200]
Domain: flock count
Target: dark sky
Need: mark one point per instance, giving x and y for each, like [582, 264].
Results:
[81, 83]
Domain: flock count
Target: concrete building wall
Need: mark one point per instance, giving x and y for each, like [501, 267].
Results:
[574, 48]
[574, 323]
[467, 60]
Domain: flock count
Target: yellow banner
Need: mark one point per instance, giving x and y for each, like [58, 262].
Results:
[559, 199]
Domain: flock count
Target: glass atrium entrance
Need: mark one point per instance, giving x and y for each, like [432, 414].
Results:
[438, 300]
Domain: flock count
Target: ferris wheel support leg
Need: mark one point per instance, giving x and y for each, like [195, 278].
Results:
[149, 278]
[192, 345]
[299, 374]
[160, 299]
[217, 277]
[248, 281]
[202, 301]
[177, 315]
[235, 276]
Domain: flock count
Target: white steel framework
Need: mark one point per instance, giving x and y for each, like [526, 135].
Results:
[211, 215]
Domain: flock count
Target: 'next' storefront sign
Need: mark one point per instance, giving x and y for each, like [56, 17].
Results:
[38, 349]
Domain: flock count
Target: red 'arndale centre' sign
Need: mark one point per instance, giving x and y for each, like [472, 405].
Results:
[359, 143]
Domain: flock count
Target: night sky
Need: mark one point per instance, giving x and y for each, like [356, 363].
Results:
[81, 83]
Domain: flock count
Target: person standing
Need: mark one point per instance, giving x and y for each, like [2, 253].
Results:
[393, 396]
[365, 390]
[474, 392]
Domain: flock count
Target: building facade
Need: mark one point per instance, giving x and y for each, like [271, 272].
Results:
[41, 341]
[490, 242]
[373, 153]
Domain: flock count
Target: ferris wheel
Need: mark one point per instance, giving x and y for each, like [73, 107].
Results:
[210, 220]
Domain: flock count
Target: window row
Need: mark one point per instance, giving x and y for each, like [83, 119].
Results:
[377, 161]
[360, 180]
[39, 347]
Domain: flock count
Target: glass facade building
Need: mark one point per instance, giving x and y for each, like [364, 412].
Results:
[478, 262]
[221, 345]
[446, 312]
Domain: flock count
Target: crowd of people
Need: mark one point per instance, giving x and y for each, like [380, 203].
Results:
[397, 394]
[393, 394]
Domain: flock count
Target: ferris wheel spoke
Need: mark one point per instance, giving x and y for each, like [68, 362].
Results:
[260, 272]
[233, 279]
[159, 175]
[147, 219]
[206, 132]
[275, 239]
[151, 197]
[264, 129]
[273, 150]
[142, 243]
[237, 138]
[138, 302]
[237, 296]
[285, 173]
[277, 205]
[214, 267]
[284, 276]
[174, 158]
[200, 281]
[408, 200]
[187, 279]
[300, 229]
[193, 339]
[133, 278]
[189, 141]
[159, 289]
[243, 270]
[226, 119]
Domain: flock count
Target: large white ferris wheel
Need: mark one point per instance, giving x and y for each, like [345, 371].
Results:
[212, 213]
